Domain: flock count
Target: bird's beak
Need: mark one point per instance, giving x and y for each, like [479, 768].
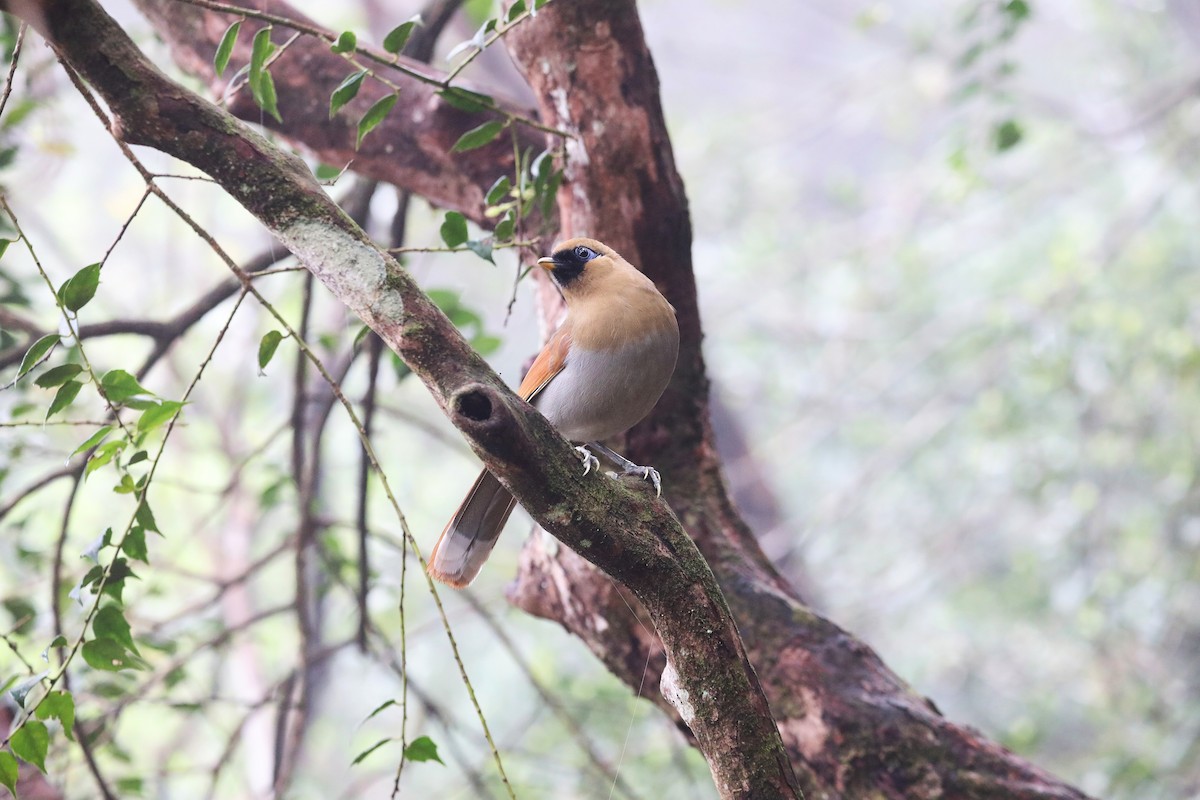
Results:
[546, 262]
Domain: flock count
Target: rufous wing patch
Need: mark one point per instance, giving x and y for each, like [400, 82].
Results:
[549, 363]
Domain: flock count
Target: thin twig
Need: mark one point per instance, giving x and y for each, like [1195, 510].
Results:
[12, 67]
[374, 353]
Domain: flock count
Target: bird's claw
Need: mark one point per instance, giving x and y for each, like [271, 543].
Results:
[647, 474]
[589, 460]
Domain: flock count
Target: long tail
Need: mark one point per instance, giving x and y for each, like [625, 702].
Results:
[470, 536]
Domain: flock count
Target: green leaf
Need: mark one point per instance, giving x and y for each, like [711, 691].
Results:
[110, 623]
[225, 48]
[346, 91]
[466, 100]
[260, 51]
[264, 94]
[462, 316]
[514, 11]
[454, 229]
[118, 386]
[359, 758]
[481, 249]
[60, 706]
[94, 574]
[130, 786]
[380, 707]
[267, 347]
[422, 749]
[178, 676]
[444, 299]
[9, 772]
[346, 42]
[375, 115]
[262, 85]
[135, 544]
[541, 168]
[80, 288]
[104, 454]
[4, 243]
[36, 352]
[116, 578]
[1006, 135]
[125, 486]
[145, 517]
[549, 193]
[65, 396]
[110, 690]
[109, 655]
[57, 376]
[23, 613]
[30, 742]
[486, 344]
[137, 458]
[93, 440]
[325, 172]
[478, 137]
[157, 415]
[498, 191]
[18, 111]
[270, 496]
[21, 409]
[398, 36]
[505, 227]
[1017, 9]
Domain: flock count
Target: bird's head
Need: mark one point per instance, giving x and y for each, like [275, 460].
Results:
[578, 265]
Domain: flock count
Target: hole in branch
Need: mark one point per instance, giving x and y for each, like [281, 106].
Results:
[475, 405]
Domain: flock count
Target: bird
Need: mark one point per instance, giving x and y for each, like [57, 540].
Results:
[600, 374]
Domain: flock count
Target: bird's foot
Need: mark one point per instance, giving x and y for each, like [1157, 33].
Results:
[646, 474]
[628, 467]
[589, 460]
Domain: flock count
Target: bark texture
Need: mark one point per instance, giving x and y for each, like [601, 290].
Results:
[708, 678]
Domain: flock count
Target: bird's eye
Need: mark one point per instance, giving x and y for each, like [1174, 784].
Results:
[584, 253]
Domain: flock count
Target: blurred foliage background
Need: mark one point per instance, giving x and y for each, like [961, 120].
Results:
[946, 255]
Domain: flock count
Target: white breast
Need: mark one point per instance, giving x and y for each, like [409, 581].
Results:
[599, 394]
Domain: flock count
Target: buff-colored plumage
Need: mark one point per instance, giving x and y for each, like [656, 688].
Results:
[601, 372]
